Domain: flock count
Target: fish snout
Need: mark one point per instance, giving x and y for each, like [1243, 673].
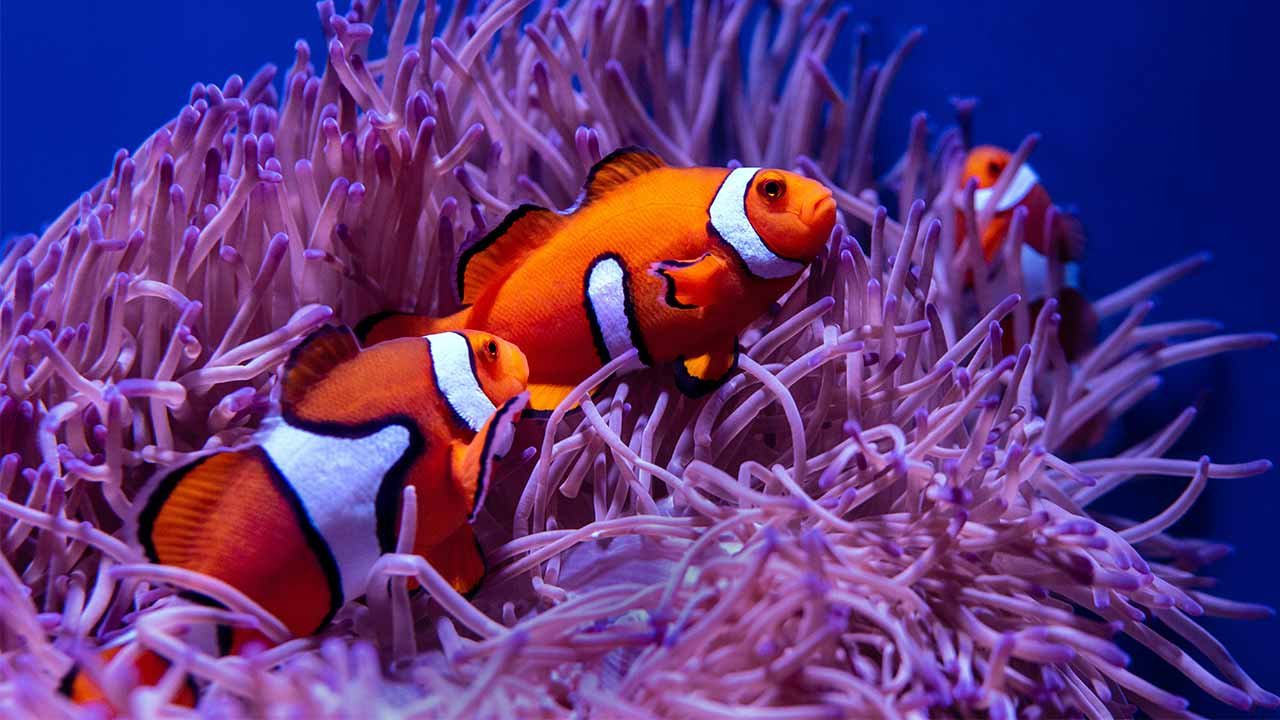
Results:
[820, 212]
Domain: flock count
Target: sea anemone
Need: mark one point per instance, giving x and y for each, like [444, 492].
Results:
[875, 517]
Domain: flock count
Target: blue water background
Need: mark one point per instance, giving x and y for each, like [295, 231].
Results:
[1156, 120]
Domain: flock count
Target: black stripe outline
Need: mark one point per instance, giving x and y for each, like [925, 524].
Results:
[715, 233]
[696, 387]
[482, 479]
[489, 239]
[628, 309]
[661, 270]
[387, 502]
[366, 326]
[475, 375]
[320, 548]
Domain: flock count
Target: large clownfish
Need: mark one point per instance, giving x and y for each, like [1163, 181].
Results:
[296, 519]
[984, 164]
[673, 262]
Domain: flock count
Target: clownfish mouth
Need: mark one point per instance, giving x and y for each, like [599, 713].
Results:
[819, 211]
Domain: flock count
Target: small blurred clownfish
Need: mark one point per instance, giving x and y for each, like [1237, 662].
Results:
[149, 669]
[985, 164]
[673, 262]
[297, 519]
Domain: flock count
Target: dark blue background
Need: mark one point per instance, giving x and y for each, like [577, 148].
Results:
[1156, 119]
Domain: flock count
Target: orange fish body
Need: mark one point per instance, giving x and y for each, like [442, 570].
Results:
[985, 164]
[673, 262]
[297, 519]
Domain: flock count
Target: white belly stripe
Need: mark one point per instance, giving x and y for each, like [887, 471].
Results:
[1035, 274]
[456, 378]
[606, 292]
[337, 481]
[729, 217]
[1023, 181]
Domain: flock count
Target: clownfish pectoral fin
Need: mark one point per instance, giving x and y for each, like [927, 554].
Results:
[473, 462]
[313, 359]
[616, 169]
[493, 257]
[694, 283]
[700, 375]
[459, 559]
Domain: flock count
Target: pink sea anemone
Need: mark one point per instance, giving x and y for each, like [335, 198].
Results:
[874, 518]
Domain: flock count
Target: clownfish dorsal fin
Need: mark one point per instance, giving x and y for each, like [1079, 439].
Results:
[313, 359]
[618, 168]
[524, 229]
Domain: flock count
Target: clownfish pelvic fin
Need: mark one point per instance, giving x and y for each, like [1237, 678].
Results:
[698, 376]
[696, 283]
[544, 398]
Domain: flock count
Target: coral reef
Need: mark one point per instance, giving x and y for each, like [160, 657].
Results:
[874, 518]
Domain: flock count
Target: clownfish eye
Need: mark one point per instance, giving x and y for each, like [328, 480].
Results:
[772, 188]
[994, 169]
[491, 349]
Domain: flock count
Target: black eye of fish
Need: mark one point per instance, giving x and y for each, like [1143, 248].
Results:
[772, 189]
[492, 348]
[994, 169]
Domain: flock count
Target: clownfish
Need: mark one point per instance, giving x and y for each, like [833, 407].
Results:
[296, 519]
[673, 262]
[984, 164]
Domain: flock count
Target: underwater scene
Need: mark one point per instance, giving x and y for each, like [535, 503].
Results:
[764, 359]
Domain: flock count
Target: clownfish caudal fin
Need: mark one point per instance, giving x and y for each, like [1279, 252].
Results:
[459, 559]
[698, 376]
[616, 169]
[694, 283]
[313, 359]
[473, 462]
[493, 257]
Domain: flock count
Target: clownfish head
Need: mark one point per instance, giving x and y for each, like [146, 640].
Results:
[501, 368]
[793, 214]
[984, 164]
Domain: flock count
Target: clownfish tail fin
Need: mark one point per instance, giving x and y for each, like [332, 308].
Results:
[390, 325]
[473, 462]
[493, 257]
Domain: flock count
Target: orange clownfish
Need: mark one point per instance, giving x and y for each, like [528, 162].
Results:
[673, 262]
[985, 164]
[297, 519]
